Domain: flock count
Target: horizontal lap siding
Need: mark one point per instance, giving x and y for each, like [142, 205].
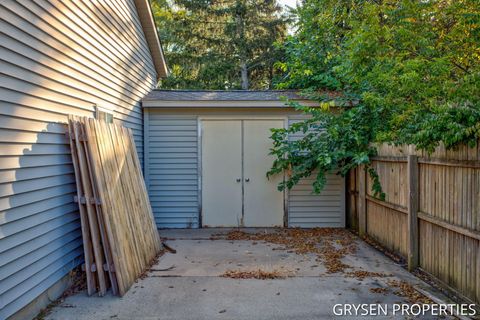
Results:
[57, 58]
[173, 170]
[308, 210]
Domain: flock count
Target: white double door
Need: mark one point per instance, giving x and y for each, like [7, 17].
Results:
[235, 160]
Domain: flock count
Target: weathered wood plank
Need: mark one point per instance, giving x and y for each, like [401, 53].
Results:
[89, 198]
[87, 245]
[386, 204]
[412, 212]
[362, 202]
[98, 190]
[463, 231]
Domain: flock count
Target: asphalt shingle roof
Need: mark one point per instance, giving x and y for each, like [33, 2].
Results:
[221, 95]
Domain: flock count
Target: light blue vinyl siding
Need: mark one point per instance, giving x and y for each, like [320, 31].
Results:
[57, 58]
[173, 170]
[308, 210]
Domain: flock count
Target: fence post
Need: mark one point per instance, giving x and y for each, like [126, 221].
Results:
[412, 212]
[362, 201]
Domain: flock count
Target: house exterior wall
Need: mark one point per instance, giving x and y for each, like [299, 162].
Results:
[173, 166]
[57, 58]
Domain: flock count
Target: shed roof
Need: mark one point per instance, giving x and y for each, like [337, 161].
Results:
[221, 98]
[221, 95]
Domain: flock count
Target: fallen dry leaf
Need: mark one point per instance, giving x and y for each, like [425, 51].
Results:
[379, 290]
[256, 274]
[406, 290]
[362, 274]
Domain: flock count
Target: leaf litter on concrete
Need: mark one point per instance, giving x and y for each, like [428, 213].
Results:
[362, 274]
[406, 290]
[256, 274]
[330, 245]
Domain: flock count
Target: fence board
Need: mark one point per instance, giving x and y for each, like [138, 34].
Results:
[388, 227]
[87, 244]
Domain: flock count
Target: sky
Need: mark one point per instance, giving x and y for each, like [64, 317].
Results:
[291, 3]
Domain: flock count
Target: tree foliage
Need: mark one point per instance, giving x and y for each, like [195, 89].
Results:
[408, 73]
[211, 44]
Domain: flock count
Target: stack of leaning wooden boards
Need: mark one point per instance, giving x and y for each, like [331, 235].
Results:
[120, 238]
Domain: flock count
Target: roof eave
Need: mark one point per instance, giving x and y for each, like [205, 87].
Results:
[149, 28]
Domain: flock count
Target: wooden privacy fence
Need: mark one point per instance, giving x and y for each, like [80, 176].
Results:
[120, 239]
[431, 213]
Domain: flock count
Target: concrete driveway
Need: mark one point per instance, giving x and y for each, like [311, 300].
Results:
[190, 285]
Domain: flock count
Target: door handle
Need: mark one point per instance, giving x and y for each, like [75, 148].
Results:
[238, 179]
[247, 179]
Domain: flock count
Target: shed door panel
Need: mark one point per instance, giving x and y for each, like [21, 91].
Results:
[222, 173]
[263, 203]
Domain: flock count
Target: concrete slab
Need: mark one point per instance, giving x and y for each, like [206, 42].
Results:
[214, 257]
[187, 285]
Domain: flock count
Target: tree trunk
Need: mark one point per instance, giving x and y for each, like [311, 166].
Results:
[244, 71]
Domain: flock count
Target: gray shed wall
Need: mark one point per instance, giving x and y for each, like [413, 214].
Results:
[306, 209]
[57, 58]
[172, 172]
[326, 209]
[172, 164]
